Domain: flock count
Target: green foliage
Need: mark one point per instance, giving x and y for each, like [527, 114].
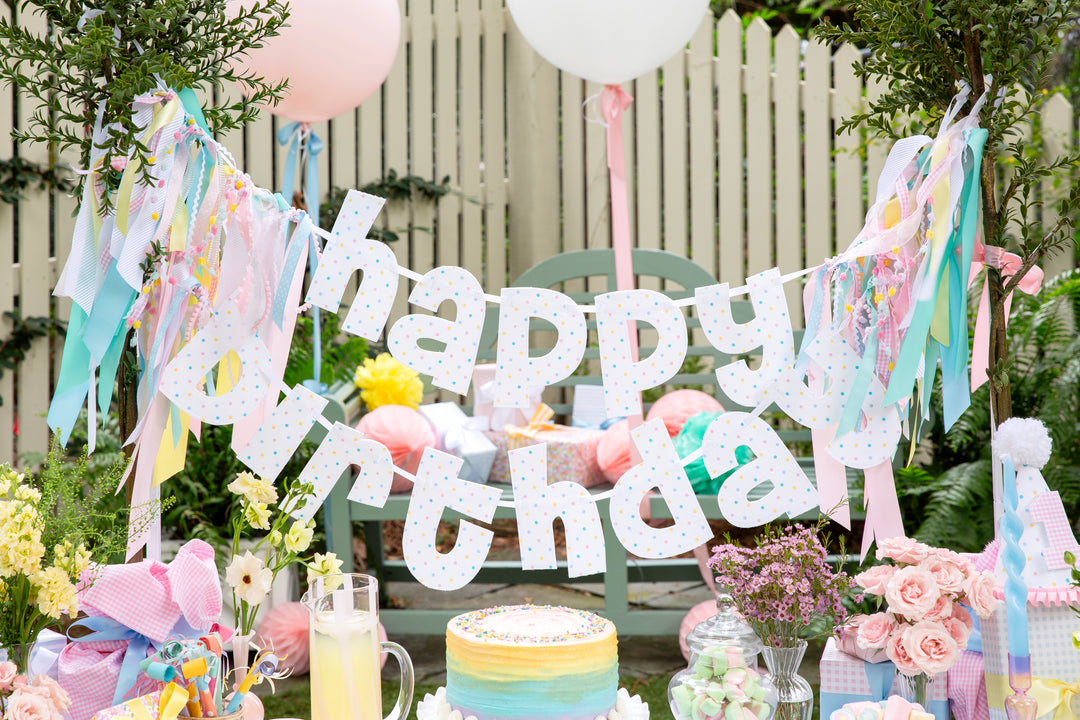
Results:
[394, 188]
[341, 354]
[90, 62]
[800, 14]
[950, 502]
[14, 347]
[17, 174]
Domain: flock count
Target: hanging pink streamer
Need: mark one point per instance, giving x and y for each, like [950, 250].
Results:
[1008, 263]
[883, 518]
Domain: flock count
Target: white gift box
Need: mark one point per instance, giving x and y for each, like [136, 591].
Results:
[460, 435]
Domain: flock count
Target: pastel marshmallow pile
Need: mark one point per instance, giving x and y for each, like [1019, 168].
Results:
[895, 708]
[723, 687]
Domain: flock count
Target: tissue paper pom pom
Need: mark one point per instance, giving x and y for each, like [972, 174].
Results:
[1025, 440]
[677, 406]
[385, 381]
[613, 451]
[697, 614]
[404, 432]
[285, 630]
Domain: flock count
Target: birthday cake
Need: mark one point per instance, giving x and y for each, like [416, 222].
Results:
[531, 662]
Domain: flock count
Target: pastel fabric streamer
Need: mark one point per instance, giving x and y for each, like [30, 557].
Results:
[404, 432]
[676, 407]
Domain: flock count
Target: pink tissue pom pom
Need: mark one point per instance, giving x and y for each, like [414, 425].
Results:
[404, 432]
[697, 614]
[285, 630]
[613, 451]
[678, 406]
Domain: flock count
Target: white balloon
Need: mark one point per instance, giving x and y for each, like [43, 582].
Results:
[607, 41]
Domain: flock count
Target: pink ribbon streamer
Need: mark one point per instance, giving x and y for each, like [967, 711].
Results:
[883, 518]
[1009, 263]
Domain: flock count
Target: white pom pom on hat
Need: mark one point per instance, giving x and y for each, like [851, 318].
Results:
[1025, 440]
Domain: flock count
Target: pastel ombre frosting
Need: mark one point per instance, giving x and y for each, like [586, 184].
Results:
[528, 662]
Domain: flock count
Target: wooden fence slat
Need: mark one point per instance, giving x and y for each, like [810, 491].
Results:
[393, 141]
[674, 156]
[597, 187]
[421, 129]
[572, 167]
[493, 98]
[817, 152]
[646, 185]
[33, 391]
[759, 148]
[7, 277]
[447, 82]
[848, 99]
[472, 247]
[877, 148]
[702, 148]
[729, 88]
[1057, 122]
[789, 175]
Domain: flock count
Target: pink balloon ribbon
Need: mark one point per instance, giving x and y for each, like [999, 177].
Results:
[1009, 263]
[883, 518]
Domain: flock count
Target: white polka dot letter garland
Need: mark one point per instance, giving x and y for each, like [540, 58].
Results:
[662, 469]
[516, 373]
[792, 492]
[770, 330]
[451, 368]
[537, 504]
[183, 379]
[274, 442]
[349, 250]
[624, 379]
[438, 487]
[342, 447]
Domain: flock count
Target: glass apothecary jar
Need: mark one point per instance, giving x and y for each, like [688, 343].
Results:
[723, 680]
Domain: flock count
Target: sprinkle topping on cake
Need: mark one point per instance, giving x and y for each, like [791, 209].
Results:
[530, 624]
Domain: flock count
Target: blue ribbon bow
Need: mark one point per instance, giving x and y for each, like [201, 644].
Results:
[105, 628]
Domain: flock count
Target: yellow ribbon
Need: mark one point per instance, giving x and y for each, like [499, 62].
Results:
[174, 698]
[1051, 695]
[540, 420]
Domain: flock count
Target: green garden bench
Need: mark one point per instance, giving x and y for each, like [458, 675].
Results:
[582, 275]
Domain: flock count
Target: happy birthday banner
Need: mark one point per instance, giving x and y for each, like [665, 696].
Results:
[214, 317]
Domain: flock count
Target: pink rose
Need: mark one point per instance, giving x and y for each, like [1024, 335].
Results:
[931, 647]
[980, 593]
[897, 652]
[23, 705]
[949, 575]
[875, 630]
[942, 609]
[903, 550]
[51, 689]
[7, 675]
[875, 579]
[912, 592]
[961, 613]
[958, 630]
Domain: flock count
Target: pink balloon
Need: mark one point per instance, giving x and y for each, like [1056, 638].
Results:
[335, 53]
[678, 406]
[404, 432]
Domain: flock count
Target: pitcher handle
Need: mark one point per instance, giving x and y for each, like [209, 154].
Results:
[405, 693]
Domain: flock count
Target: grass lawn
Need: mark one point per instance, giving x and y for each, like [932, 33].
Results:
[295, 702]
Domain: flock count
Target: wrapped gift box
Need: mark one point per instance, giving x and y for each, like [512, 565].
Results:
[845, 679]
[460, 435]
[571, 454]
[1051, 624]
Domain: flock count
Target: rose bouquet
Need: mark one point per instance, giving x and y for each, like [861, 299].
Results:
[925, 625]
[252, 574]
[783, 584]
[41, 699]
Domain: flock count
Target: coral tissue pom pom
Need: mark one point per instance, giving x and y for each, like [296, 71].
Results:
[285, 630]
[404, 432]
[613, 451]
[676, 407]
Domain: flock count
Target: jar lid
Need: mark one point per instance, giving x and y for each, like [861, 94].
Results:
[726, 627]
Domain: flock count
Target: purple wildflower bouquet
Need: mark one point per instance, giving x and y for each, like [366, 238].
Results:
[782, 584]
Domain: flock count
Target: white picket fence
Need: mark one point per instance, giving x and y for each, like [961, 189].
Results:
[731, 155]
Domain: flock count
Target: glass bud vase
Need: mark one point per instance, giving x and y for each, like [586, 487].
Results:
[796, 698]
[19, 653]
[916, 688]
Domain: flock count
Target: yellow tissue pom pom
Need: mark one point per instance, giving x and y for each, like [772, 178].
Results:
[385, 381]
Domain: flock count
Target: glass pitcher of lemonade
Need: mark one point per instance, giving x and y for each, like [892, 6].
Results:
[345, 648]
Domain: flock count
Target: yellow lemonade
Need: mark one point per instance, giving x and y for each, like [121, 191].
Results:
[345, 680]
